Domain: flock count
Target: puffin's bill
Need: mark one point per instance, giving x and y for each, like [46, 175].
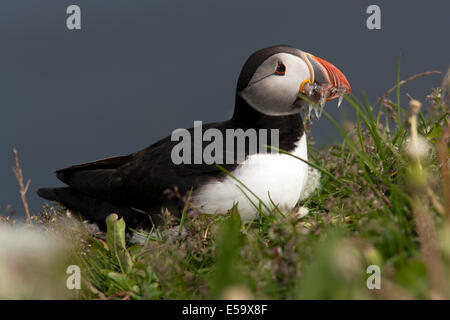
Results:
[327, 83]
[336, 79]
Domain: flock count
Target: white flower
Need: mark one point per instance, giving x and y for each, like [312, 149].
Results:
[312, 183]
[417, 148]
[32, 264]
[301, 212]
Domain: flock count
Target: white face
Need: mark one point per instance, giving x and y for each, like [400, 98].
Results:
[272, 92]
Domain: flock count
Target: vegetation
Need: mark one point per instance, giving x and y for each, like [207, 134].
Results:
[383, 200]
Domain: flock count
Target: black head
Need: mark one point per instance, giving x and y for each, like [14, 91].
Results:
[272, 78]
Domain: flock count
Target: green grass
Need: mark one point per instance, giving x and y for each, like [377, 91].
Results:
[375, 205]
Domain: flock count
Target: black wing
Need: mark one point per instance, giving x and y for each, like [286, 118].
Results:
[139, 179]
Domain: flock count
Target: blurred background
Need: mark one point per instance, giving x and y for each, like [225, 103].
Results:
[138, 70]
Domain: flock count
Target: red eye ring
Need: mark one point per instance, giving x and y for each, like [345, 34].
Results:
[281, 69]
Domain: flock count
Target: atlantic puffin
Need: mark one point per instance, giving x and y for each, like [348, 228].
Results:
[269, 95]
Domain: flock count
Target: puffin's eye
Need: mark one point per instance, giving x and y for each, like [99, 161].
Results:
[281, 69]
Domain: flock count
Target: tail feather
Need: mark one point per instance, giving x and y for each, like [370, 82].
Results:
[95, 210]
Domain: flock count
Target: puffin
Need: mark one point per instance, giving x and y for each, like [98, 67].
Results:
[274, 85]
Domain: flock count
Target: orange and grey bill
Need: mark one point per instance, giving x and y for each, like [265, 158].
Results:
[336, 79]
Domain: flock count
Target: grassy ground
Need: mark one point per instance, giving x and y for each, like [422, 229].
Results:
[383, 200]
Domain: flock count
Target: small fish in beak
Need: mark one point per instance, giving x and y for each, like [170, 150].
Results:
[327, 83]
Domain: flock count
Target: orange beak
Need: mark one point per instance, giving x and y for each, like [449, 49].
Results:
[327, 76]
[335, 78]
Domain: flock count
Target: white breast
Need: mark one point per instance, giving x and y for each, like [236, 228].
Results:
[279, 175]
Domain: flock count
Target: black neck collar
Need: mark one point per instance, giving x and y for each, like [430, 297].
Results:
[290, 127]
